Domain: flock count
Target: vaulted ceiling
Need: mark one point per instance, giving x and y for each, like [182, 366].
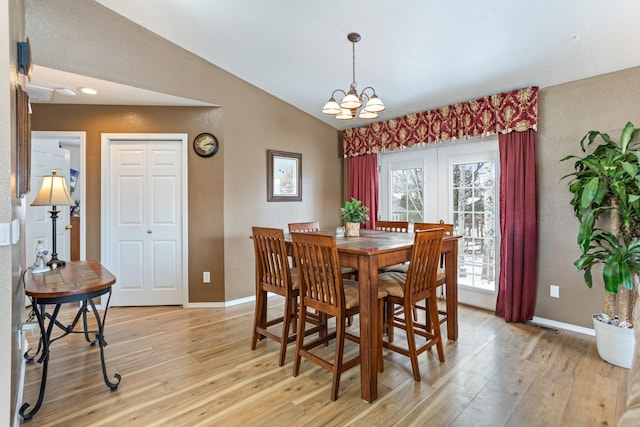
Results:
[417, 54]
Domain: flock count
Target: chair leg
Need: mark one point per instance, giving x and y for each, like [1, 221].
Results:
[380, 332]
[294, 318]
[258, 317]
[433, 312]
[302, 319]
[337, 362]
[284, 337]
[390, 327]
[411, 342]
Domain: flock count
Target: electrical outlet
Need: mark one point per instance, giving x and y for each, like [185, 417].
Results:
[206, 277]
[554, 291]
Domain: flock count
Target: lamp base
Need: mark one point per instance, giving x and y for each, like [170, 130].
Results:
[56, 261]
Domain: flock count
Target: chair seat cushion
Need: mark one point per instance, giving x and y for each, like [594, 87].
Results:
[347, 270]
[392, 283]
[403, 268]
[295, 281]
[398, 268]
[352, 293]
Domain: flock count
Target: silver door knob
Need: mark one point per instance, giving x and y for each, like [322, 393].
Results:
[149, 231]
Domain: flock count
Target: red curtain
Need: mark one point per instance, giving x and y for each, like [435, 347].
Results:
[518, 226]
[362, 177]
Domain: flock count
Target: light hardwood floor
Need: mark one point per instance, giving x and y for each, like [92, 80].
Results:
[194, 367]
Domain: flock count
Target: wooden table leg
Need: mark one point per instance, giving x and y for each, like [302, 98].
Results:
[451, 271]
[368, 277]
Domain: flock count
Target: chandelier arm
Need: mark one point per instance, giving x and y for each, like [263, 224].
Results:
[369, 87]
[338, 90]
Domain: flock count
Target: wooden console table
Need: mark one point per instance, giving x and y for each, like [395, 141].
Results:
[75, 281]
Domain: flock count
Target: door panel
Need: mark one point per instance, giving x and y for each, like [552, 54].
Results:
[146, 223]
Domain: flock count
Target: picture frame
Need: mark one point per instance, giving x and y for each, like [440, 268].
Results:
[23, 143]
[284, 176]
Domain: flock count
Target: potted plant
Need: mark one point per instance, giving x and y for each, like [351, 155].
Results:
[606, 186]
[353, 214]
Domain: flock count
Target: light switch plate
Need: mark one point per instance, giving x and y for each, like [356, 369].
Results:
[5, 234]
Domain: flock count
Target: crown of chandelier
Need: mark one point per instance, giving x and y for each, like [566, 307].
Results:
[349, 106]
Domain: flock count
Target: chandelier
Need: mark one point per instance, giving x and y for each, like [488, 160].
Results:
[352, 101]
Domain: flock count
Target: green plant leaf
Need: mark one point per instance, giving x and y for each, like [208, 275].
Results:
[589, 193]
[625, 137]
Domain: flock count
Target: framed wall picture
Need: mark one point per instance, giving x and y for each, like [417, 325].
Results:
[284, 176]
[23, 136]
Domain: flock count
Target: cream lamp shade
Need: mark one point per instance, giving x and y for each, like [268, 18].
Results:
[53, 192]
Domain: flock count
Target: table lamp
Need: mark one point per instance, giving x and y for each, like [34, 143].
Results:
[54, 192]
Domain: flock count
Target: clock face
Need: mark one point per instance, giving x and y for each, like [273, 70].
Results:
[205, 144]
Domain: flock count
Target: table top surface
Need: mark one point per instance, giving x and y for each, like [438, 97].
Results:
[374, 242]
[74, 278]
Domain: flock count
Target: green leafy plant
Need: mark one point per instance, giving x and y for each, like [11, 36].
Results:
[354, 211]
[606, 182]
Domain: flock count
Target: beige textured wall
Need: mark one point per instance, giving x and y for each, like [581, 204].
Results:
[565, 114]
[86, 38]
[206, 248]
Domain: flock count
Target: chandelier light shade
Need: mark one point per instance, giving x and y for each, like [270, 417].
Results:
[351, 102]
[53, 192]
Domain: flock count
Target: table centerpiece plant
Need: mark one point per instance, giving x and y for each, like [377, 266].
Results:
[353, 213]
[606, 188]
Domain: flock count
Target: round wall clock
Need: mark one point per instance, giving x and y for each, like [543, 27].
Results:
[205, 144]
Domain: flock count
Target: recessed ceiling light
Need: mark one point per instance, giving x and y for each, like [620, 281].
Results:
[88, 91]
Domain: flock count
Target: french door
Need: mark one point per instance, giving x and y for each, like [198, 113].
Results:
[455, 183]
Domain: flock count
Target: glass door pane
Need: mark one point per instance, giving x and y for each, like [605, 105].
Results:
[474, 213]
[407, 193]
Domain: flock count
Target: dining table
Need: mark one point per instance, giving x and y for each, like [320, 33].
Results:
[370, 252]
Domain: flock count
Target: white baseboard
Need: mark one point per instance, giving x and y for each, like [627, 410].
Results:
[20, 391]
[565, 326]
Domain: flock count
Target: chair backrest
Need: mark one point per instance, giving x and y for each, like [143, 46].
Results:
[402, 226]
[421, 226]
[272, 264]
[423, 268]
[319, 272]
[304, 227]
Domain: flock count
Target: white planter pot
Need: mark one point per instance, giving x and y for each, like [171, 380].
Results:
[615, 345]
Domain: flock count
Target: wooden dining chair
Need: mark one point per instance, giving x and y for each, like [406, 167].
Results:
[274, 275]
[398, 226]
[407, 290]
[312, 227]
[441, 275]
[304, 227]
[323, 289]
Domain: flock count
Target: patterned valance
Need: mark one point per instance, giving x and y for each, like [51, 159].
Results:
[506, 112]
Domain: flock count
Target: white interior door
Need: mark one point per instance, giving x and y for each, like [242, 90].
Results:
[144, 222]
[46, 154]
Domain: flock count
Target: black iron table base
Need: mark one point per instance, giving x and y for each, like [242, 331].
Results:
[47, 322]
